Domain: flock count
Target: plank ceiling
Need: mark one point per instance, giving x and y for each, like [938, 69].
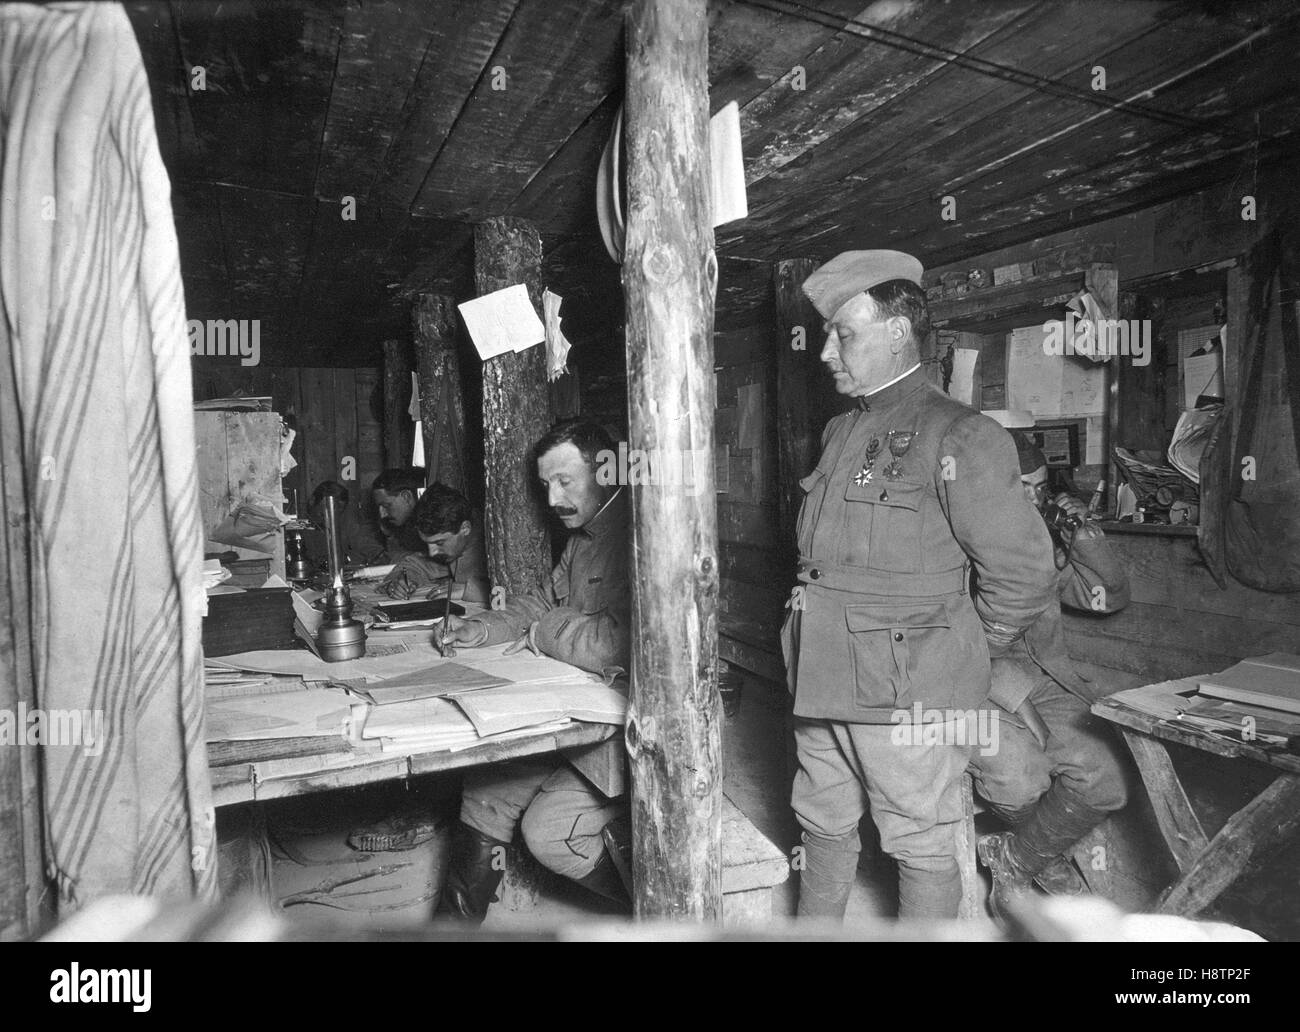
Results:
[905, 102]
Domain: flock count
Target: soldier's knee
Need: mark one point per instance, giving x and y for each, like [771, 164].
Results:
[1097, 776]
[1013, 786]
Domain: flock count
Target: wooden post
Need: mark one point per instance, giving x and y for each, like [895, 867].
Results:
[516, 412]
[442, 410]
[798, 343]
[669, 280]
[397, 398]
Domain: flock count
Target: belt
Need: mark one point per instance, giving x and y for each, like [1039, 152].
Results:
[862, 580]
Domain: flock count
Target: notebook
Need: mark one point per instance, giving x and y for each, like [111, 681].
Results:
[1271, 681]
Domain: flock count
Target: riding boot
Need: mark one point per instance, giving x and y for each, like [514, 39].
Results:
[1059, 820]
[474, 871]
[604, 880]
[1058, 878]
[829, 871]
[1017, 858]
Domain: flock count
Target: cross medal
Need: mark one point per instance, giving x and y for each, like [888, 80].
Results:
[866, 473]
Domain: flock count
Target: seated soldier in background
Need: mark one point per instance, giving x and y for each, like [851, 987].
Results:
[359, 539]
[1058, 771]
[452, 533]
[395, 492]
[582, 617]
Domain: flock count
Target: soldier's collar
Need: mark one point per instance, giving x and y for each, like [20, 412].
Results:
[895, 389]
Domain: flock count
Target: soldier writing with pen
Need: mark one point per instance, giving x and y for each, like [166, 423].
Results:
[582, 615]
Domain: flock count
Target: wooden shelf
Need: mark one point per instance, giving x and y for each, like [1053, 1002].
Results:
[992, 304]
[1162, 529]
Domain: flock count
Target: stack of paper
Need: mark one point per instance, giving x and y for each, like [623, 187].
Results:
[1271, 681]
[514, 707]
[281, 714]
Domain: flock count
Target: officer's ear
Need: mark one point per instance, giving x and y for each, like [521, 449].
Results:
[900, 332]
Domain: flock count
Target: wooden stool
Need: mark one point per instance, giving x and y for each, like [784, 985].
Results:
[751, 868]
[973, 895]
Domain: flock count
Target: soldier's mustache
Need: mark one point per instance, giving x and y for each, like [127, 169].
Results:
[564, 510]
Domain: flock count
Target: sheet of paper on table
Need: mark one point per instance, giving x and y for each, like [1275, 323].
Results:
[306, 713]
[309, 666]
[446, 678]
[509, 708]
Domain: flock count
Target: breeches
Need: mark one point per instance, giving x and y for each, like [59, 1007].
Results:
[559, 813]
[913, 790]
[1081, 751]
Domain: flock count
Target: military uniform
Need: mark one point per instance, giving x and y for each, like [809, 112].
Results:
[1081, 750]
[912, 490]
[584, 619]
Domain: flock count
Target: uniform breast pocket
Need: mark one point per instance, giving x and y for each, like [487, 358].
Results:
[902, 653]
[883, 526]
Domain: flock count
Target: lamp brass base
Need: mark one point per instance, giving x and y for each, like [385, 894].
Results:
[344, 639]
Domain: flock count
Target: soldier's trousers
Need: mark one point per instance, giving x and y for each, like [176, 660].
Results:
[914, 793]
[559, 813]
[1081, 751]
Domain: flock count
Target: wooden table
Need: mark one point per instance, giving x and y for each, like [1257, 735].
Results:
[251, 771]
[592, 748]
[1207, 866]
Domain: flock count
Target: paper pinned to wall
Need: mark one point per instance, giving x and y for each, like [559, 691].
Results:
[502, 321]
[726, 167]
[557, 345]
[1050, 385]
[962, 384]
[1092, 448]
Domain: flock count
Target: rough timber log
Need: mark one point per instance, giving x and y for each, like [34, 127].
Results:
[516, 412]
[669, 281]
[397, 399]
[442, 410]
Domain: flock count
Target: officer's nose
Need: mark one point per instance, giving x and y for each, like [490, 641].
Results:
[831, 348]
[553, 495]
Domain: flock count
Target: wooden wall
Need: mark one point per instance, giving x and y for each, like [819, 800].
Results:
[335, 412]
[757, 566]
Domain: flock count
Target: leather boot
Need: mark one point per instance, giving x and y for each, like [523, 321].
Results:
[928, 895]
[604, 880]
[617, 836]
[1059, 820]
[1010, 880]
[1058, 878]
[473, 874]
[1033, 852]
[830, 869]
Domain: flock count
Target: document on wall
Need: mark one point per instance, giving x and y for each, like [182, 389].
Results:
[502, 321]
[1050, 385]
[962, 385]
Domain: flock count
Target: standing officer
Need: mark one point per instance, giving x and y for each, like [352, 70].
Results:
[912, 490]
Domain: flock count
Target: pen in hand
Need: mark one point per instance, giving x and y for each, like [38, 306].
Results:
[446, 650]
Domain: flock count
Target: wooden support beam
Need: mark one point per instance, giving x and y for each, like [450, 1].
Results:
[442, 409]
[798, 343]
[669, 281]
[1178, 823]
[516, 412]
[397, 397]
[1267, 820]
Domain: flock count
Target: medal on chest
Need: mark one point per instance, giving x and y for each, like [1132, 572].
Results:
[867, 473]
[899, 442]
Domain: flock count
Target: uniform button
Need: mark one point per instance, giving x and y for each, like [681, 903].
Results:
[898, 636]
[814, 573]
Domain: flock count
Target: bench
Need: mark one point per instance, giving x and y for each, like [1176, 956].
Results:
[752, 867]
